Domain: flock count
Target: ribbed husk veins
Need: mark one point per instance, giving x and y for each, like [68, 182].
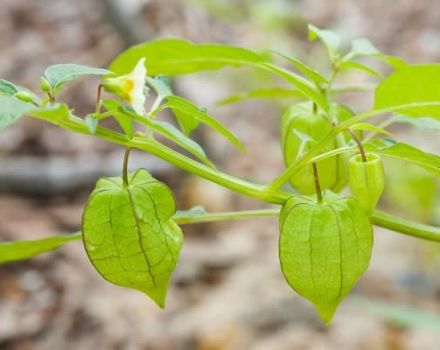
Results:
[324, 248]
[129, 234]
[304, 119]
[367, 180]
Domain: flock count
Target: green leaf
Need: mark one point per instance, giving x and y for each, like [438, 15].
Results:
[330, 39]
[59, 111]
[303, 85]
[361, 47]
[186, 120]
[409, 153]
[129, 234]
[7, 88]
[92, 122]
[414, 84]
[422, 122]
[270, 93]
[195, 112]
[22, 250]
[361, 67]
[11, 110]
[59, 74]
[309, 72]
[411, 190]
[124, 121]
[370, 127]
[161, 85]
[175, 57]
[10, 89]
[180, 139]
[324, 248]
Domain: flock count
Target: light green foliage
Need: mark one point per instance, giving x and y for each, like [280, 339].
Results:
[273, 93]
[22, 250]
[125, 117]
[324, 248]
[307, 88]
[182, 105]
[7, 88]
[308, 71]
[174, 57]
[417, 85]
[11, 109]
[411, 154]
[361, 47]
[411, 189]
[370, 127]
[130, 227]
[331, 40]
[129, 233]
[421, 122]
[59, 74]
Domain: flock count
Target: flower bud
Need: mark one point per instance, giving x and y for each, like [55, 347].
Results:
[45, 85]
[24, 96]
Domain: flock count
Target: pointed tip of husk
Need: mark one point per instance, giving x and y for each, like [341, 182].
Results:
[326, 311]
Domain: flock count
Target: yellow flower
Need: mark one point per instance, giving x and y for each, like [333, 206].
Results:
[130, 87]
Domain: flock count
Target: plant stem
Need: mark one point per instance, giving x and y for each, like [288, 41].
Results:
[125, 167]
[182, 218]
[317, 185]
[407, 227]
[263, 193]
[359, 144]
[98, 99]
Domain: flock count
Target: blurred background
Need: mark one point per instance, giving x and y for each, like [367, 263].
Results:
[228, 291]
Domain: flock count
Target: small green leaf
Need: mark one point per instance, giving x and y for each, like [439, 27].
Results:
[370, 127]
[399, 150]
[59, 74]
[361, 67]
[92, 122]
[361, 47]
[414, 84]
[309, 72]
[412, 191]
[180, 139]
[271, 93]
[308, 89]
[124, 121]
[11, 109]
[324, 248]
[129, 234]
[175, 57]
[330, 39]
[22, 250]
[186, 120]
[7, 88]
[161, 85]
[195, 112]
[59, 111]
[422, 122]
